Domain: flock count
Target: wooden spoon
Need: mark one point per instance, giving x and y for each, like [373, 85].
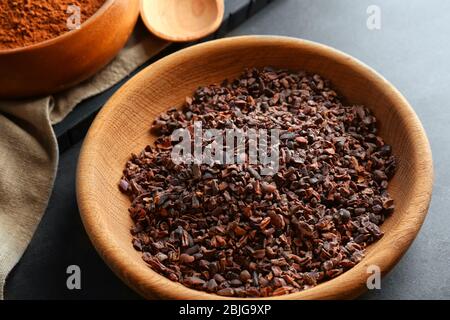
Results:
[182, 20]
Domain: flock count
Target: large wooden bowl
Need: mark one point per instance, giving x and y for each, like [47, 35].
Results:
[59, 63]
[122, 127]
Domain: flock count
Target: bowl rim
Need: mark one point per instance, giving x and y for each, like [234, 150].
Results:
[46, 43]
[339, 287]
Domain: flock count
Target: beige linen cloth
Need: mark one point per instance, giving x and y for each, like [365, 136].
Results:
[29, 150]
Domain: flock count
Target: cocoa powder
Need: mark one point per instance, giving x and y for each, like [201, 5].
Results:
[26, 22]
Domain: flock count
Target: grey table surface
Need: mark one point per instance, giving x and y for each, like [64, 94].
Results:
[411, 50]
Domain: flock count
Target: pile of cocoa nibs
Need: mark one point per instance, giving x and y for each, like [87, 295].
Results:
[227, 229]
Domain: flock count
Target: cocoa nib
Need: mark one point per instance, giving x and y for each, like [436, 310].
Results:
[230, 230]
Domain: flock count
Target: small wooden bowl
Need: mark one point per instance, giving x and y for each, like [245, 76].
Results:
[122, 127]
[59, 63]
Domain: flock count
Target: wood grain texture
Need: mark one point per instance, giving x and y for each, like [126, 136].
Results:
[182, 20]
[122, 127]
[62, 62]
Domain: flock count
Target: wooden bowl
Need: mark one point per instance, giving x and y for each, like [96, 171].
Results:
[59, 63]
[122, 127]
